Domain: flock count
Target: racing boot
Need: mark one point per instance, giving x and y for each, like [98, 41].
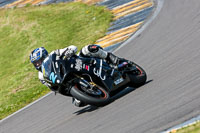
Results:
[97, 51]
[113, 59]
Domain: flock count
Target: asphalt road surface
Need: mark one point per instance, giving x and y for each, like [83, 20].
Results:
[169, 51]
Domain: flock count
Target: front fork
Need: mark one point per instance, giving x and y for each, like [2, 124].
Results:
[83, 83]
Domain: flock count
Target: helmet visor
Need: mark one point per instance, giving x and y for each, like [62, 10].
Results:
[38, 63]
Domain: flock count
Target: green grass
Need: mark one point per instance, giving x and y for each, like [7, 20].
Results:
[52, 26]
[195, 128]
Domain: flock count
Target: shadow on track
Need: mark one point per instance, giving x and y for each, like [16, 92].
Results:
[118, 95]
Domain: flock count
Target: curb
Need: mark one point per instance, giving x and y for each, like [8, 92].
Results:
[183, 125]
[135, 11]
[129, 16]
[120, 33]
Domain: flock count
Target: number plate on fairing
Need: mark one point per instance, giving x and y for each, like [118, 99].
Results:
[118, 81]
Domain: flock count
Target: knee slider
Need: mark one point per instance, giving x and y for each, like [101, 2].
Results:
[94, 48]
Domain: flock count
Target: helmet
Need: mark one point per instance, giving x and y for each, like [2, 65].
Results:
[37, 56]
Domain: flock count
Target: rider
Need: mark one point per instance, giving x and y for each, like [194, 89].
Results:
[38, 55]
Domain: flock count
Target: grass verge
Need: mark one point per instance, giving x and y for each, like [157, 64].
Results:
[194, 128]
[52, 26]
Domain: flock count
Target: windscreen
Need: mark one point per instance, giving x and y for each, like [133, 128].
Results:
[47, 66]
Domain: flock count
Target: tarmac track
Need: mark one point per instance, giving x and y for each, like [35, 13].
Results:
[169, 51]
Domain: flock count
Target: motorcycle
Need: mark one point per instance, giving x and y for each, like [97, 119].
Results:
[91, 80]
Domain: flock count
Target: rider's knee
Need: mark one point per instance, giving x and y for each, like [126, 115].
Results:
[94, 51]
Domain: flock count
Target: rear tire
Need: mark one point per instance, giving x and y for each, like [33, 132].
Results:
[138, 78]
[96, 100]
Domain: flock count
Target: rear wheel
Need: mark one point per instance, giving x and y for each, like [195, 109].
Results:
[138, 77]
[95, 95]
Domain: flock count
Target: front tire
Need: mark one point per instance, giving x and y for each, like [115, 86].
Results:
[102, 99]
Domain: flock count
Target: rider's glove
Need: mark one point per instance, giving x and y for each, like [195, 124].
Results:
[69, 51]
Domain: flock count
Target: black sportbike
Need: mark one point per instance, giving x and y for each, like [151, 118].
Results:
[91, 80]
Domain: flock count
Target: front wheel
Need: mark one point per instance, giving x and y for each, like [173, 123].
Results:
[95, 95]
[137, 77]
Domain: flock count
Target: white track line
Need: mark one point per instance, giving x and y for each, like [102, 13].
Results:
[143, 27]
[159, 6]
[185, 124]
[26, 107]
